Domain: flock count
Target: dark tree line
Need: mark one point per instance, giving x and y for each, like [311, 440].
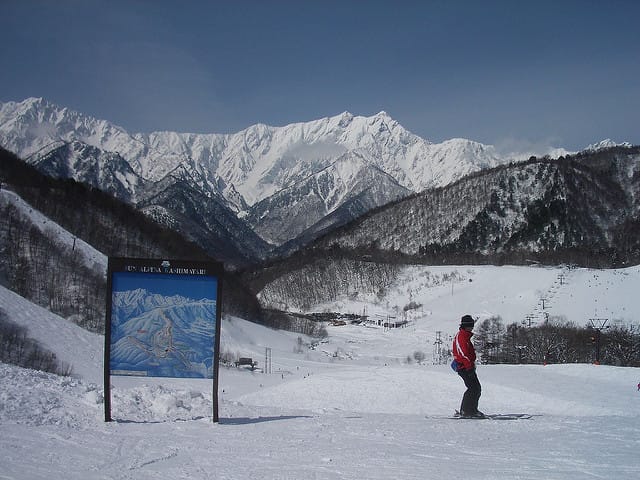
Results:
[326, 280]
[556, 342]
[294, 323]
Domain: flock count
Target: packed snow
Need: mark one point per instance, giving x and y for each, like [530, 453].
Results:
[347, 407]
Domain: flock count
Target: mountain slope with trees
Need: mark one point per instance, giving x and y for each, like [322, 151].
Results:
[582, 209]
[54, 274]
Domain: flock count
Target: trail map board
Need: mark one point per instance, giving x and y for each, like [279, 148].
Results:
[163, 320]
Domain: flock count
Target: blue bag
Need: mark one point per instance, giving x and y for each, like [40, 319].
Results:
[454, 366]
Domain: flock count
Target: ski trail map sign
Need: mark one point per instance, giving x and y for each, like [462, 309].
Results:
[163, 320]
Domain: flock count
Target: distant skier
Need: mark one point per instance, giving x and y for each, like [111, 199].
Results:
[639, 387]
[464, 354]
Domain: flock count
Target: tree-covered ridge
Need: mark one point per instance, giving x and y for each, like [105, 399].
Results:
[581, 209]
[111, 226]
[54, 274]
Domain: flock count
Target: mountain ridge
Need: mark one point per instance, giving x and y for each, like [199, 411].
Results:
[241, 177]
[582, 205]
[346, 132]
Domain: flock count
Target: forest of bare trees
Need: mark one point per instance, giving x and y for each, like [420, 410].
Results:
[327, 279]
[556, 341]
[49, 272]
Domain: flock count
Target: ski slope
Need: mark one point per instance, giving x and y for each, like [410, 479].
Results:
[349, 407]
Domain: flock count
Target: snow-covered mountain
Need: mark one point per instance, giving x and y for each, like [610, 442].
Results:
[604, 144]
[92, 165]
[296, 209]
[585, 203]
[258, 161]
[248, 171]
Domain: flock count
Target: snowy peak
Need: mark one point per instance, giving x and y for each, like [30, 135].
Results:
[105, 170]
[295, 209]
[32, 125]
[604, 144]
[345, 119]
[256, 162]
[261, 161]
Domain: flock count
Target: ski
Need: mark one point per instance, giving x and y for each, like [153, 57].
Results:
[494, 416]
[509, 416]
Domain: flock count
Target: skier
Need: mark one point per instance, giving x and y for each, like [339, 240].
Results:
[464, 355]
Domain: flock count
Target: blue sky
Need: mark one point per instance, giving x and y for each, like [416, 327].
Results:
[509, 73]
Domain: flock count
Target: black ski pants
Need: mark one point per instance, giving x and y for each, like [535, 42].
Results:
[471, 396]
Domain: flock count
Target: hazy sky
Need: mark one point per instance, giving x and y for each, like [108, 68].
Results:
[514, 73]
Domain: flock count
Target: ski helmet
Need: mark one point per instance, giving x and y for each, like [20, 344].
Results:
[467, 321]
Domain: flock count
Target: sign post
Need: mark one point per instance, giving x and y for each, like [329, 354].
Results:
[162, 320]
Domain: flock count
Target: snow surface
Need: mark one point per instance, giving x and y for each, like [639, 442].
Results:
[349, 407]
[444, 293]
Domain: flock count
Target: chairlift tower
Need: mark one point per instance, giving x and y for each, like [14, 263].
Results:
[438, 351]
[528, 320]
[267, 360]
[597, 324]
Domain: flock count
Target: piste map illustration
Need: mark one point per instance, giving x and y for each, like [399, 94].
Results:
[166, 328]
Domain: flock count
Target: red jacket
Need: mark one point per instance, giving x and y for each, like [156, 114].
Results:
[463, 351]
